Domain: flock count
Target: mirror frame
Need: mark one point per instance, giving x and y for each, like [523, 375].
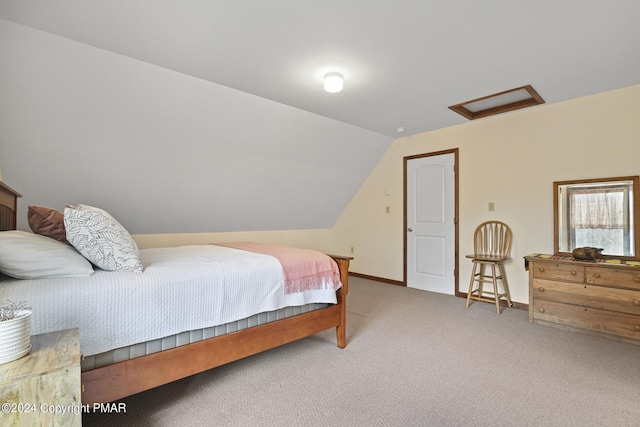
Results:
[636, 213]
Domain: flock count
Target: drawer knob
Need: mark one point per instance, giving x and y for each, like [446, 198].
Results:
[573, 272]
[637, 327]
[636, 302]
[541, 310]
[637, 278]
[541, 289]
[541, 269]
[596, 275]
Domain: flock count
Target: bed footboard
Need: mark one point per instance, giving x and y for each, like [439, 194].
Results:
[341, 329]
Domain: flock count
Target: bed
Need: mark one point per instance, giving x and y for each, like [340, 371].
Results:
[117, 364]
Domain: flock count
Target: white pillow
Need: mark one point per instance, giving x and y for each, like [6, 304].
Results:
[29, 256]
[101, 239]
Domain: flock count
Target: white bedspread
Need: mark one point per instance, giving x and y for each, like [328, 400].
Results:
[180, 289]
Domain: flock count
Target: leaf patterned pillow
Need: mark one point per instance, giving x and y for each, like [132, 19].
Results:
[101, 239]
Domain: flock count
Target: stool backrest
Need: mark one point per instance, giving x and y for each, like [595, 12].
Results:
[492, 238]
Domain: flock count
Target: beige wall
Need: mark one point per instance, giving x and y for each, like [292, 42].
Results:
[319, 239]
[511, 160]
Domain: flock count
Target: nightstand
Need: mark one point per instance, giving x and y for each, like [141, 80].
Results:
[43, 387]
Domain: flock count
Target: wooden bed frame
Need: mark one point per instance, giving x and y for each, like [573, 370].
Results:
[123, 379]
[8, 207]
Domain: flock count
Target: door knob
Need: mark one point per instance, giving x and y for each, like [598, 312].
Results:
[409, 229]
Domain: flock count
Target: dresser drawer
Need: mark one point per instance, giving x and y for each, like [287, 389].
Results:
[614, 277]
[609, 322]
[620, 300]
[558, 271]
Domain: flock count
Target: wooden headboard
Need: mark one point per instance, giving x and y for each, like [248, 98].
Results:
[8, 207]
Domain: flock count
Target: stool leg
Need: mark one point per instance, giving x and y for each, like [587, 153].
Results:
[495, 287]
[473, 277]
[505, 285]
[481, 277]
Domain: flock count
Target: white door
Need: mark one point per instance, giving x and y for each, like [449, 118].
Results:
[431, 223]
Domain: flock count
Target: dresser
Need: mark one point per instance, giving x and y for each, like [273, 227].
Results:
[43, 387]
[601, 298]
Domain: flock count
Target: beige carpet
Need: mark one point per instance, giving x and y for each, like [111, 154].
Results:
[413, 359]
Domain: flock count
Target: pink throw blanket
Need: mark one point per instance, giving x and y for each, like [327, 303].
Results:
[304, 269]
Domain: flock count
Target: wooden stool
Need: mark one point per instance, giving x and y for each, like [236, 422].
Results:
[491, 246]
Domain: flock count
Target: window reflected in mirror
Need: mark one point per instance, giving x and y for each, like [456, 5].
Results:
[598, 213]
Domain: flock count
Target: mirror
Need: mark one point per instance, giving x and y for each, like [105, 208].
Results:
[599, 213]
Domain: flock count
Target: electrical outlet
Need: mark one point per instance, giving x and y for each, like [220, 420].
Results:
[388, 209]
[492, 206]
[352, 251]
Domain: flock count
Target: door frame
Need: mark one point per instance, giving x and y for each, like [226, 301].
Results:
[456, 167]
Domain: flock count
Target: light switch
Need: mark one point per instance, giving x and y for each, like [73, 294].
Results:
[492, 206]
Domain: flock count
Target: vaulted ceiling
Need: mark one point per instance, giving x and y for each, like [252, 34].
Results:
[196, 115]
[404, 61]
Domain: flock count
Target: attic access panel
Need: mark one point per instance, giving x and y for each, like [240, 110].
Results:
[498, 103]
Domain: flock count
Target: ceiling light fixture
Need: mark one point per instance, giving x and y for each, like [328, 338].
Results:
[333, 82]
